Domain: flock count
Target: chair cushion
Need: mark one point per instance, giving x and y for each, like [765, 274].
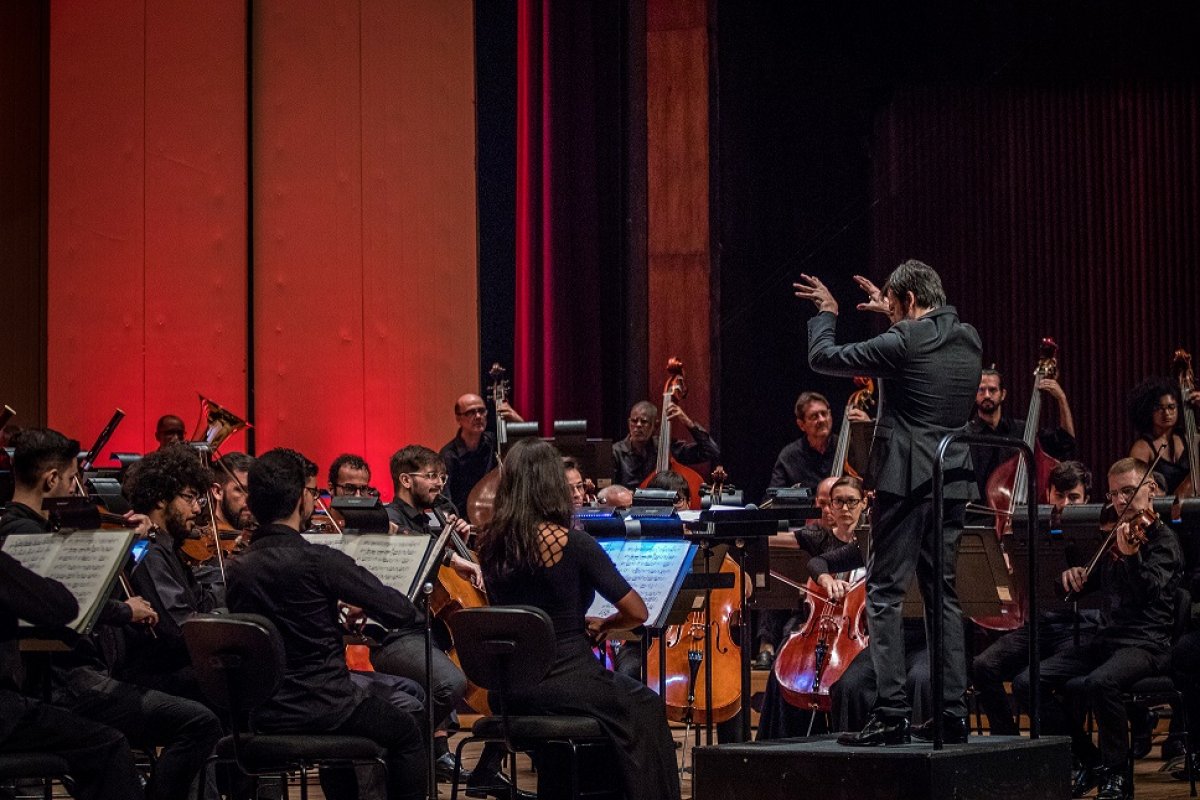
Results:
[273, 752]
[1156, 684]
[32, 765]
[535, 728]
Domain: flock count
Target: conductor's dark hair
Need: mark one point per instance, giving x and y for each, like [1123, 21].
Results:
[39, 450]
[673, 482]
[413, 458]
[920, 279]
[162, 475]
[347, 460]
[1144, 399]
[276, 480]
[532, 493]
[1068, 474]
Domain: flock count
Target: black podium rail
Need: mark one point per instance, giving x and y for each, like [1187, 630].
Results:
[937, 645]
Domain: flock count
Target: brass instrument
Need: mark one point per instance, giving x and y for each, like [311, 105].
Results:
[216, 424]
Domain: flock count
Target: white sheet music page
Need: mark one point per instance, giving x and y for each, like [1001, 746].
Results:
[650, 566]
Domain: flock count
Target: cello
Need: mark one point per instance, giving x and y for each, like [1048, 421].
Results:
[1181, 368]
[1008, 485]
[816, 655]
[674, 390]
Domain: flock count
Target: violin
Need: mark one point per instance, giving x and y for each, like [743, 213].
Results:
[1008, 485]
[481, 502]
[202, 546]
[674, 390]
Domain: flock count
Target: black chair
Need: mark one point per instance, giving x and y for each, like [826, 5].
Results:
[507, 649]
[239, 661]
[45, 767]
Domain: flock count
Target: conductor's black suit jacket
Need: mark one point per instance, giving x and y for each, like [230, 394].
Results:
[929, 370]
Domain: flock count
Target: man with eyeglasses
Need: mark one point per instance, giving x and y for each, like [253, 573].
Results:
[636, 455]
[1138, 580]
[471, 454]
[350, 476]
[809, 460]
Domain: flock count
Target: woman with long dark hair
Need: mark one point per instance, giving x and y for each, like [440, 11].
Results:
[530, 556]
[1154, 411]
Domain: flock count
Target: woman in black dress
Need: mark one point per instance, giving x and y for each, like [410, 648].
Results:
[530, 556]
[1154, 412]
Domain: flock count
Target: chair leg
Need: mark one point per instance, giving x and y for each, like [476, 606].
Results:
[574, 770]
[303, 782]
[458, 751]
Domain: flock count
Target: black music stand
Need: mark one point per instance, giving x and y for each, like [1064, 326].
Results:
[981, 576]
[361, 514]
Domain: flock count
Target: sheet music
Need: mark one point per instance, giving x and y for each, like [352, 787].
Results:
[652, 568]
[34, 551]
[83, 561]
[394, 559]
[335, 540]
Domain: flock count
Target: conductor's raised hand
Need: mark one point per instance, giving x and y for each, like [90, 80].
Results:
[875, 300]
[810, 288]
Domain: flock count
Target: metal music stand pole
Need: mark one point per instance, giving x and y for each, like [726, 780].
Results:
[427, 595]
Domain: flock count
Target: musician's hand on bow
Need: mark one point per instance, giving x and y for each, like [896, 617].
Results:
[674, 412]
[810, 288]
[393, 528]
[835, 589]
[875, 300]
[467, 570]
[1073, 579]
[140, 523]
[143, 612]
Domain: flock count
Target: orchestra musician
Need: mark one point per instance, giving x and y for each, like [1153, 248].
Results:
[1058, 441]
[298, 586]
[531, 556]
[472, 452]
[350, 476]
[930, 363]
[615, 496]
[81, 679]
[1133, 639]
[229, 493]
[579, 494]
[1007, 659]
[809, 460]
[1154, 412]
[636, 455]
[169, 430]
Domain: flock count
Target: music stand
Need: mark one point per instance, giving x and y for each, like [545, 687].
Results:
[981, 577]
[361, 514]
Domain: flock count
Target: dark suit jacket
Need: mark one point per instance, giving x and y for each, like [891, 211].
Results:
[929, 370]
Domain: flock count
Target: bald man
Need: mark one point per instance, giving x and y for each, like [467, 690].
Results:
[169, 430]
[471, 454]
[634, 456]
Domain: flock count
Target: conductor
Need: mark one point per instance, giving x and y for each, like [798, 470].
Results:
[929, 365]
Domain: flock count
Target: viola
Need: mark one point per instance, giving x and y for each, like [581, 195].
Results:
[1008, 485]
[674, 390]
[815, 656]
[481, 502]
[1181, 368]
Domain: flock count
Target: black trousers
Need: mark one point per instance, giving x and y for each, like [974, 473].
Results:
[1107, 671]
[400, 734]
[853, 696]
[1185, 667]
[98, 756]
[902, 544]
[186, 730]
[405, 656]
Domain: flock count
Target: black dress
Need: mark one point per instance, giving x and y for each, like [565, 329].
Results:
[632, 715]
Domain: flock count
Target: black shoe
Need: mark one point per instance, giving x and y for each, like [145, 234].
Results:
[1173, 748]
[878, 731]
[1182, 774]
[1115, 787]
[443, 767]
[1085, 779]
[1141, 730]
[496, 785]
[954, 730]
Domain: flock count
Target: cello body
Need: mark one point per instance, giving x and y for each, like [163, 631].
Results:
[815, 656]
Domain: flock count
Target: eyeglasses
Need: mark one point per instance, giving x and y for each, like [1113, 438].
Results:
[1125, 493]
[191, 498]
[313, 491]
[1166, 408]
[433, 477]
[845, 502]
[640, 423]
[357, 489]
[473, 412]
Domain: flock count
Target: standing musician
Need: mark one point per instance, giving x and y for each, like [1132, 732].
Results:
[809, 460]
[45, 462]
[1007, 659]
[471, 454]
[930, 365]
[1138, 581]
[531, 556]
[350, 476]
[298, 586]
[169, 430]
[1058, 442]
[1154, 411]
[635, 456]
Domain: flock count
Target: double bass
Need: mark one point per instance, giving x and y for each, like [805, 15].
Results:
[1009, 483]
[674, 390]
[1181, 368]
[862, 399]
[481, 501]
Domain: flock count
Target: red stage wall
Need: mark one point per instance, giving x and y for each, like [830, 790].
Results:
[364, 260]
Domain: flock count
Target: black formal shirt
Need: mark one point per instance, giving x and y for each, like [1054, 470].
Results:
[800, 464]
[632, 467]
[828, 554]
[409, 518]
[20, 518]
[1139, 593]
[466, 467]
[1055, 442]
[297, 585]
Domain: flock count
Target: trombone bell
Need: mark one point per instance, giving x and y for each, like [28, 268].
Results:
[216, 424]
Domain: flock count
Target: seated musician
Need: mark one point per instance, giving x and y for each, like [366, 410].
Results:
[808, 460]
[471, 454]
[169, 486]
[636, 456]
[1154, 411]
[81, 679]
[575, 482]
[169, 430]
[97, 756]
[1132, 640]
[350, 476]
[615, 496]
[530, 556]
[298, 586]
[229, 493]
[1007, 659]
[1057, 441]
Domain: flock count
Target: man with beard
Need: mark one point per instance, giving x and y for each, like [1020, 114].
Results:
[809, 460]
[45, 465]
[229, 493]
[169, 486]
[990, 419]
[635, 456]
[350, 476]
[471, 454]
